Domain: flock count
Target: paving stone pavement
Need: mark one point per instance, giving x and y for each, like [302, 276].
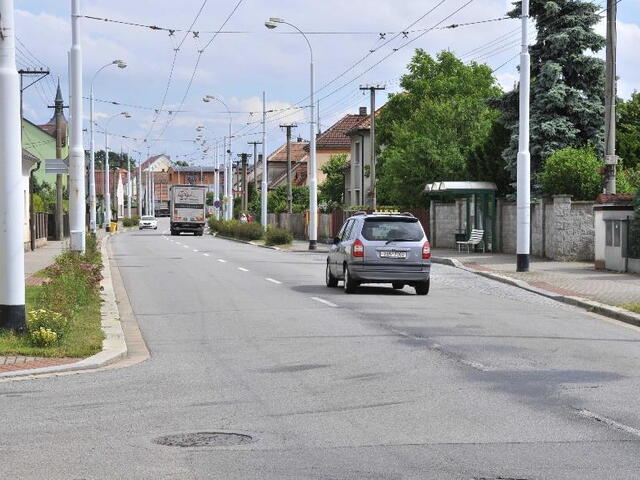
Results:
[11, 363]
[567, 278]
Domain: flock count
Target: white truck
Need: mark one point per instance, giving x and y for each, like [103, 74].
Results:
[187, 204]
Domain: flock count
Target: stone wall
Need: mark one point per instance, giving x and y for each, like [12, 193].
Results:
[560, 229]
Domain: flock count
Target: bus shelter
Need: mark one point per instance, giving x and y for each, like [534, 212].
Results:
[479, 200]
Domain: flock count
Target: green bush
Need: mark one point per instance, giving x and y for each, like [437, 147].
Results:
[278, 236]
[236, 229]
[572, 171]
[131, 222]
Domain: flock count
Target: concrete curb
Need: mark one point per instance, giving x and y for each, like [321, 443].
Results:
[610, 311]
[271, 247]
[114, 346]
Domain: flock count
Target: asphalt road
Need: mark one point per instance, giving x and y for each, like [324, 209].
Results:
[476, 380]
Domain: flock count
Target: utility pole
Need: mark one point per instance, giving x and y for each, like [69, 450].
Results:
[77, 206]
[255, 161]
[263, 191]
[372, 138]
[611, 159]
[107, 184]
[318, 109]
[245, 197]
[59, 115]
[139, 188]
[129, 190]
[289, 126]
[523, 182]
[12, 311]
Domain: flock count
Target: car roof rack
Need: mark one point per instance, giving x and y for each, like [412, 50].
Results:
[359, 212]
[408, 214]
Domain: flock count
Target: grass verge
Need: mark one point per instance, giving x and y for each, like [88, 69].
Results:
[72, 290]
[633, 307]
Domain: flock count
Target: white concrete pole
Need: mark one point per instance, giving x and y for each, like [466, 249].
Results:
[77, 206]
[524, 159]
[610, 99]
[153, 194]
[230, 161]
[128, 185]
[313, 169]
[12, 198]
[107, 187]
[92, 168]
[139, 187]
[265, 185]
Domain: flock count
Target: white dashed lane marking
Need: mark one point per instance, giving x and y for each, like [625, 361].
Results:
[273, 280]
[242, 269]
[195, 250]
[322, 300]
[206, 254]
[222, 261]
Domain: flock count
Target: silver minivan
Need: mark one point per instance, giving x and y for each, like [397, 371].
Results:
[380, 248]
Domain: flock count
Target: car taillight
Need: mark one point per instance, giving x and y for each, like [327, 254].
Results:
[358, 249]
[426, 250]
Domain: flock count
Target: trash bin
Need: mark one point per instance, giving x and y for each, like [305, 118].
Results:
[460, 237]
[113, 226]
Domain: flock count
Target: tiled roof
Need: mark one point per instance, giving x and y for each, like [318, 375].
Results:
[299, 153]
[336, 135]
[364, 123]
[193, 168]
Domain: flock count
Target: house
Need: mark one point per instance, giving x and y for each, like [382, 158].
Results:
[28, 163]
[117, 179]
[192, 175]
[158, 166]
[336, 141]
[357, 180]
[277, 165]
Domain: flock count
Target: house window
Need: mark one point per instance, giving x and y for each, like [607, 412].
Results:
[613, 233]
[357, 158]
[357, 199]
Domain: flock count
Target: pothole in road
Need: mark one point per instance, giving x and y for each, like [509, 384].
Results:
[204, 439]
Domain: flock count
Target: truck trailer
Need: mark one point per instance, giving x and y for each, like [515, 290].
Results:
[187, 204]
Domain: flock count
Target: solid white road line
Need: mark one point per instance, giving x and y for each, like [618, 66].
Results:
[322, 300]
[273, 280]
[242, 269]
[608, 421]
[222, 261]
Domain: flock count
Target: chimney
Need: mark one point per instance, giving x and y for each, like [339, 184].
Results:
[363, 111]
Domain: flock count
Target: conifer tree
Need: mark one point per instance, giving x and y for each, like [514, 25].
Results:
[567, 82]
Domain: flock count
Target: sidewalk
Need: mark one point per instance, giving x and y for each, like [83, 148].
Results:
[43, 257]
[578, 279]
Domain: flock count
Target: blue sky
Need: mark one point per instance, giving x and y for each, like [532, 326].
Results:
[237, 67]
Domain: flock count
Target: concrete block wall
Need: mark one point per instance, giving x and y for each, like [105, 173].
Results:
[444, 220]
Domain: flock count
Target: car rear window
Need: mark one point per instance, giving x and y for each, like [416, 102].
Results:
[385, 229]
[148, 218]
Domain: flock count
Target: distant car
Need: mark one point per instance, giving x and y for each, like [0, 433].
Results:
[148, 222]
[380, 248]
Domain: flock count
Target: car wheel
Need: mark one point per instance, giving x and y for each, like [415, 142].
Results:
[331, 281]
[350, 284]
[422, 288]
[398, 285]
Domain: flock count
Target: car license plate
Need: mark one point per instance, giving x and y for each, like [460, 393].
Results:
[393, 254]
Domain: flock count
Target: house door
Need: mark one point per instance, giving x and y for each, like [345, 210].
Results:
[615, 250]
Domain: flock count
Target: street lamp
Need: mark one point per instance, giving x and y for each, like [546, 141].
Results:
[227, 174]
[107, 193]
[272, 23]
[92, 168]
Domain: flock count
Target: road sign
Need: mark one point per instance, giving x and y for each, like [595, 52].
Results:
[217, 204]
[56, 165]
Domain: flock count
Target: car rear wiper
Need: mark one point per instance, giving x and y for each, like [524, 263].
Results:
[400, 240]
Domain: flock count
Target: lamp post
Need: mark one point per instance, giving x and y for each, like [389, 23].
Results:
[92, 168]
[227, 175]
[272, 23]
[107, 192]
